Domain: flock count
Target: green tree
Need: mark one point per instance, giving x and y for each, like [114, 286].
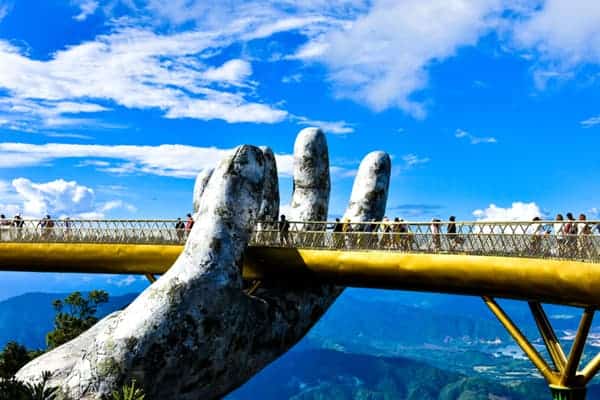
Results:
[12, 358]
[129, 392]
[74, 315]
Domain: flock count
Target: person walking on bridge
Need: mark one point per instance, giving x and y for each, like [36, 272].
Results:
[189, 224]
[180, 229]
[68, 232]
[404, 234]
[559, 233]
[386, 233]
[18, 224]
[4, 227]
[338, 238]
[570, 232]
[47, 226]
[347, 233]
[453, 239]
[538, 233]
[284, 231]
[584, 231]
[436, 234]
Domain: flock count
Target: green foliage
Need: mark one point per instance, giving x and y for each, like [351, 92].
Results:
[12, 389]
[41, 391]
[129, 392]
[74, 315]
[12, 358]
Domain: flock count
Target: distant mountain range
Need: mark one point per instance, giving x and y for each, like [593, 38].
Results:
[370, 345]
[333, 375]
[29, 317]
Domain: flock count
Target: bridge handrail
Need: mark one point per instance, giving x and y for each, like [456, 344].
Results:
[541, 239]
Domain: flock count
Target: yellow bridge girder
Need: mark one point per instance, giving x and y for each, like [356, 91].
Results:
[532, 279]
[536, 280]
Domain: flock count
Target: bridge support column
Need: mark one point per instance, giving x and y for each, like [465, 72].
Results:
[564, 379]
[561, 393]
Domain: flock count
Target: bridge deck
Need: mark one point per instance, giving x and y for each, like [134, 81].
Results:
[516, 260]
[534, 261]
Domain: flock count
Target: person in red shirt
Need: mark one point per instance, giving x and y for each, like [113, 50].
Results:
[189, 224]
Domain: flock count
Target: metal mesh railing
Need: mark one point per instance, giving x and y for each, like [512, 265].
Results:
[93, 231]
[575, 240]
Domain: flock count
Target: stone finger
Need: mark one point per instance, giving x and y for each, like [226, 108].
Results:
[199, 187]
[269, 207]
[310, 199]
[370, 190]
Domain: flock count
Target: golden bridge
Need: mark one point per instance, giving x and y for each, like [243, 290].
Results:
[532, 261]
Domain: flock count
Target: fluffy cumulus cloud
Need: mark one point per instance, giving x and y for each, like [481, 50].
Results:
[559, 37]
[173, 160]
[565, 32]
[376, 52]
[518, 211]
[58, 198]
[181, 72]
[382, 57]
[145, 70]
[87, 8]
[179, 161]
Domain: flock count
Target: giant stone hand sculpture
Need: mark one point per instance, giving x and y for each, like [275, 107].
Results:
[195, 333]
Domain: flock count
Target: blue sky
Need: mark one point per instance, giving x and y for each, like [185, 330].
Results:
[490, 108]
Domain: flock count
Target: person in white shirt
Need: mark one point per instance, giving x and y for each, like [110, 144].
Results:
[3, 227]
[559, 233]
[584, 231]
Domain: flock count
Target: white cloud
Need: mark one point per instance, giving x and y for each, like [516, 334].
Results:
[268, 16]
[179, 161]
[376, 52]
[462, 134]
[340, 172]
[411, 160]
[335, 127]
[590, 122]
[145, 70]
[233, 71]
[382, 57]
[31, 115]
[518, 211]
[58, 198]
[122, 281]
[567, 33]
[559, 38]
[87, 8]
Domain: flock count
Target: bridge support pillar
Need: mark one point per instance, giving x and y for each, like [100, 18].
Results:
[565, 380]
[561, 393]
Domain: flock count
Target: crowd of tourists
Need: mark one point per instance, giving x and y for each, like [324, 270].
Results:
[564, 236]
[183, 229]
[561, 237]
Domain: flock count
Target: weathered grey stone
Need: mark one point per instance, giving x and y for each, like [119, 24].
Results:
[173, 337]
[195, 334]
[310, 200]
[370, 189]
[269, 207]
[199, 187]
[295, 307]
